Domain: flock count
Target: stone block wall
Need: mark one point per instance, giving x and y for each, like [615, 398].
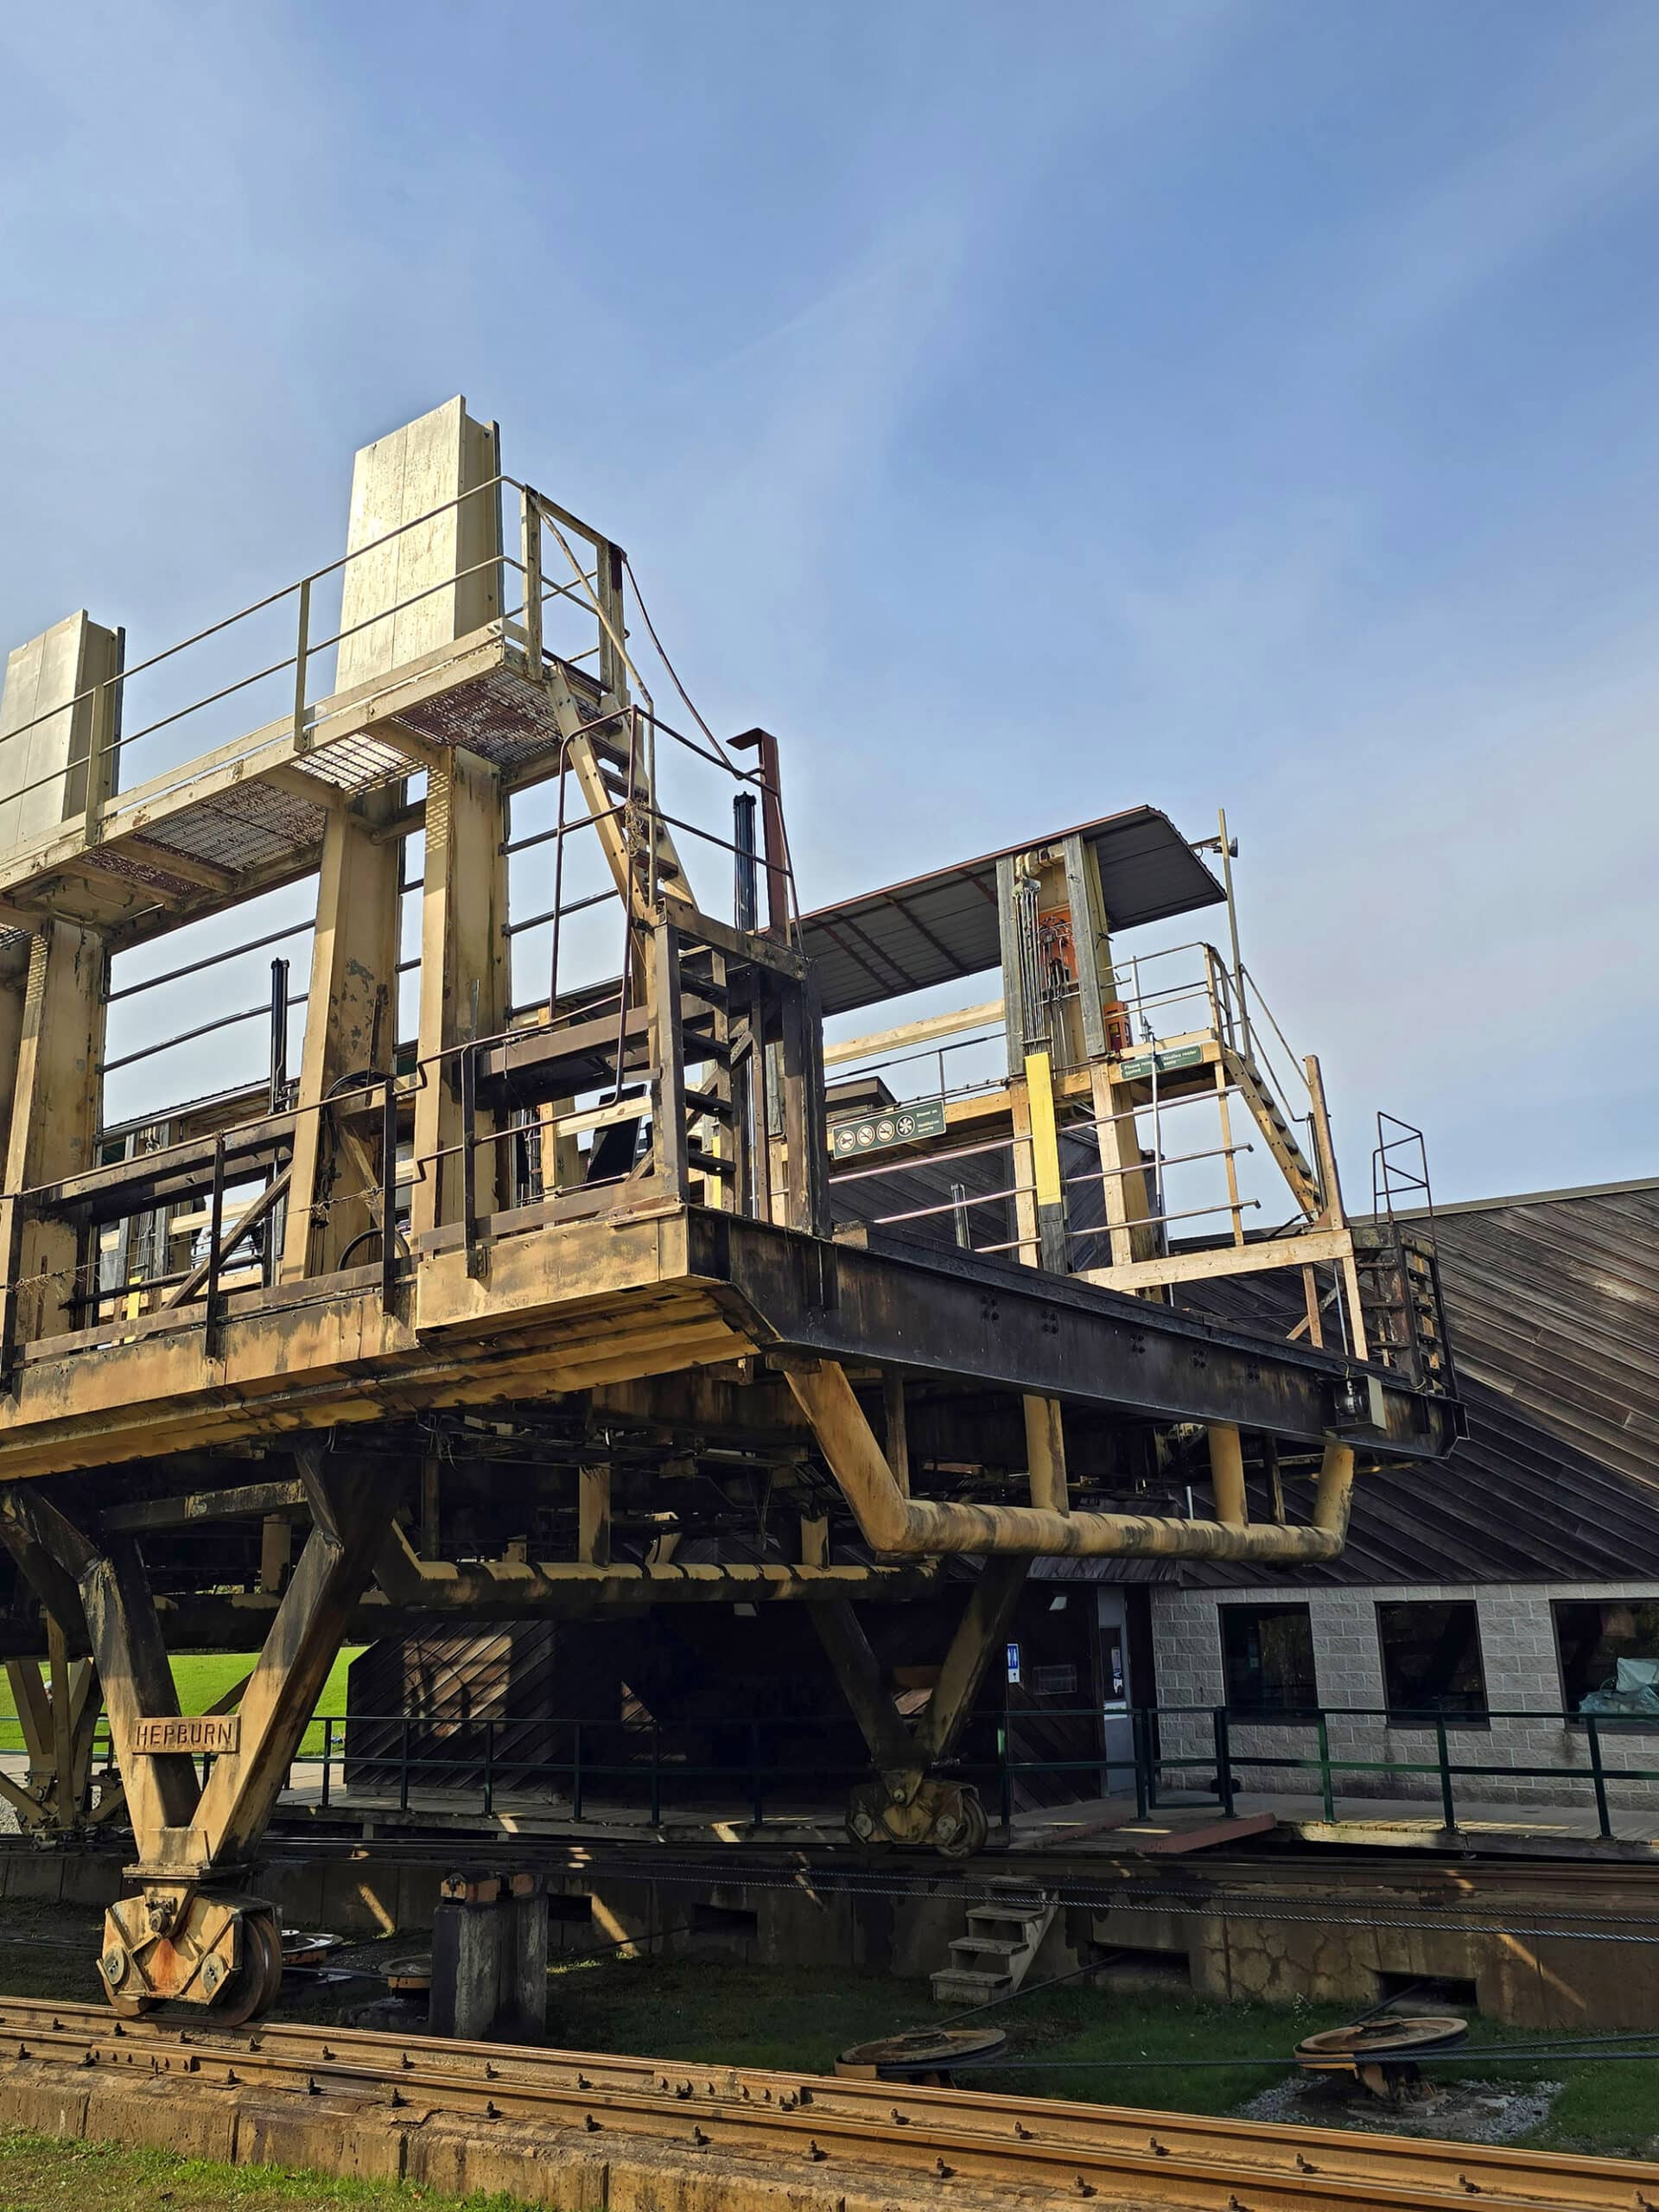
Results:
[1518, 1652]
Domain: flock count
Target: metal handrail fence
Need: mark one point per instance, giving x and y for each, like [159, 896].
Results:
[632, 732]
[960, 1199]
[1235, 1012]
[574, 1757]
[879, 1064]
[111, 740]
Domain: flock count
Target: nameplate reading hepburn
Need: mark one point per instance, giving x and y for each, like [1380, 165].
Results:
[207, 1732]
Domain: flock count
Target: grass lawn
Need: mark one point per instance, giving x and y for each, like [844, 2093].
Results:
[1087, 2040]
[203, 1677]
[1153, 2049]
[40, 2174]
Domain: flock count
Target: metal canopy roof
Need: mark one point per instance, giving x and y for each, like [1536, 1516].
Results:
[936, 928]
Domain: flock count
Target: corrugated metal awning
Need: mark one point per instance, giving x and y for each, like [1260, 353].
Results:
[937, 928]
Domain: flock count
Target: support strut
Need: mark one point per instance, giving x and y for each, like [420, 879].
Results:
[188, 1932]
[908, 1804]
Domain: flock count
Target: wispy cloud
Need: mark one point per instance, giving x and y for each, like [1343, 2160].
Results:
[1553, 143]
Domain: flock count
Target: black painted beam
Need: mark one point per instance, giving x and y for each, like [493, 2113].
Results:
[924, 1308]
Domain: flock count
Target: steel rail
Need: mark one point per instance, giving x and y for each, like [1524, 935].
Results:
[818, 2130]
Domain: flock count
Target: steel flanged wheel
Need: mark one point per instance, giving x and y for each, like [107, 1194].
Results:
[275, 1963]
[972, 1826]
[252, 1985]
[127, 1996]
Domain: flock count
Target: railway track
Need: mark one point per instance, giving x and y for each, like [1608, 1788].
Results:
[584, 2130]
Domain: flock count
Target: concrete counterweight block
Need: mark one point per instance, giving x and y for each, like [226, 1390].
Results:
[489, 1959]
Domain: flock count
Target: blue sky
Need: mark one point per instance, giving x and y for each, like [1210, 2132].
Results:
[1025, 412]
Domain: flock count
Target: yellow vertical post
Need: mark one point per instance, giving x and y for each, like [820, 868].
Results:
[1227, 1475]
[351, 1028]
[276, 1552]
[1045, 1455]
[594, 1515]
[1330, 1214]
[54, 1116]
[1048, 1190]
[1226, 1122]
[463, 979]
[1123, 1178]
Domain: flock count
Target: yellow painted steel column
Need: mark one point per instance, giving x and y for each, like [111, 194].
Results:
[54, 1117]
[351, 1027]
[1047, 1188]
[1045, 1455]
[1227, 1476]
[463, 980]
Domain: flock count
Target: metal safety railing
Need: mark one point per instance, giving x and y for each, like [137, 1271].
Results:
[939, 1057]
[582, 1769]
[591, 586]
[1010, 1187]
[108, 698]
[1163, 1019]
[1211, 997]
[636, 740]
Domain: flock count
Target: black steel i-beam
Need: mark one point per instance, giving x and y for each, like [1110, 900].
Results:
[885, 1301]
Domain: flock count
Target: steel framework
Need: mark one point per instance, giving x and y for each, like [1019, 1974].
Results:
[502, 1307]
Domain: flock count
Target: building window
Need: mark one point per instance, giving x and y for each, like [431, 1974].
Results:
[1431, 1662]
[1268, 1653]
[1610, 1656]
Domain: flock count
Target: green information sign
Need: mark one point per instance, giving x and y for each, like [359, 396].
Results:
[916, 1117]
[1186, 1056]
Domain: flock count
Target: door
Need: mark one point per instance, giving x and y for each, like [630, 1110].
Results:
[1116, 1690]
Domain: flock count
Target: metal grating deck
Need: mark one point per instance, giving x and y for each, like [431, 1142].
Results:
[238, 821]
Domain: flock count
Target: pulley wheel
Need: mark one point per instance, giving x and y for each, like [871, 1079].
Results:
[923, 2054]
[1367, 2043]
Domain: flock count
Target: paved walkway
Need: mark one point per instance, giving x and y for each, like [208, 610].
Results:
[1405, 1824]
[1096, 1825]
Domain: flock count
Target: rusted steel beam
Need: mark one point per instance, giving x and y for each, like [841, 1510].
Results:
[352, 1505]
[246, 1500]
[214, 1621]
[896, 1525]
[510, 1588]
[928, 1308]
[658, 1294]
[180, 1172]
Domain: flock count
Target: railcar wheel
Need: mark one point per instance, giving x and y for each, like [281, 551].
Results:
[253, 1984]
[971, 1831]
[124, 1988]
[276, 1963]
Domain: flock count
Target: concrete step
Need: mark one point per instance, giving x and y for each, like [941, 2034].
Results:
[988, 1947]
[1004, 1935]
[955, 1986]
[1008, 1924]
